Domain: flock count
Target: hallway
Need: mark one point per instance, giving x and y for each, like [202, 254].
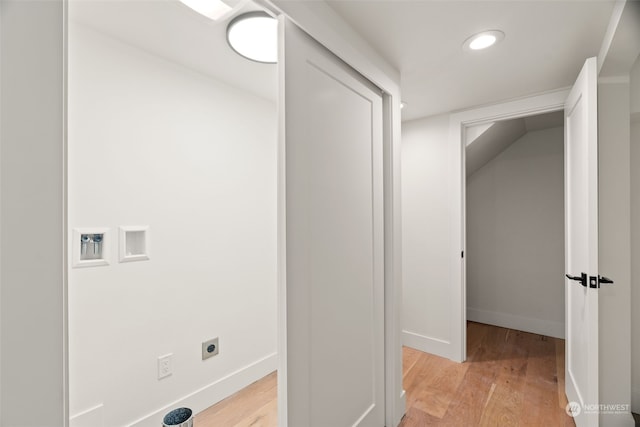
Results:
[511, 378]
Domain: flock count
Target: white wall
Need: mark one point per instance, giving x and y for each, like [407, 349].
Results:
[153, 143]
[426, 227]
[614, 247]
[635, 265]
[634, 83]
[32, 281]
[515, 236]
[635, 238]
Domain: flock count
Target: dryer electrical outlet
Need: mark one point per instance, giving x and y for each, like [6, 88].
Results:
[210, 348]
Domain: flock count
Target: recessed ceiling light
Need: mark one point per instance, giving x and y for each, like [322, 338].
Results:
[483, 40]
[254, 35]
[212, 9]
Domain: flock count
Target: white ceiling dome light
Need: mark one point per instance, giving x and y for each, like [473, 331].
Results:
[254, 35]
[483, 40]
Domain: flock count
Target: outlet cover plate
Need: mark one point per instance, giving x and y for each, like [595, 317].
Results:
[205, 348]
[165, 366]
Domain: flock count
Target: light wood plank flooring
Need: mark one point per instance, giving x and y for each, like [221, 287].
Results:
[511, 378]
[255, 405]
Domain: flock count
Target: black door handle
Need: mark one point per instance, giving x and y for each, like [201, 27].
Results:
[596, 281]
[605, 280]
[582, 278]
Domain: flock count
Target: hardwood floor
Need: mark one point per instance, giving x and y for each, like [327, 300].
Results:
[511, 378]
[255, 406]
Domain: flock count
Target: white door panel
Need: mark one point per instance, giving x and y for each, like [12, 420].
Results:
[581, 244]
[334, 239]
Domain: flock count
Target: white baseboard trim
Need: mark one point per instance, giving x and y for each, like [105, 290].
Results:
[92, 417]
[402, 403]
[635, 399]
[527, 324]
[427, 344]
[213, 393]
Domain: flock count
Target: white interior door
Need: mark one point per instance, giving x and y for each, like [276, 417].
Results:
[333, 374]
[581, 246]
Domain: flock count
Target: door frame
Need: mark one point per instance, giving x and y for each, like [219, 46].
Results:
[528, 106]
[320, 22]
[323, 24]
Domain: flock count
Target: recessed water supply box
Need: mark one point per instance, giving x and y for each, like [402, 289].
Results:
[90, 247]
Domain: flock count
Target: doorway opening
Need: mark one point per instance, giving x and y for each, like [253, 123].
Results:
[173, 183]
[508, 374]
[514, 257]
[445, 391]
[515, 223]
[174, 146]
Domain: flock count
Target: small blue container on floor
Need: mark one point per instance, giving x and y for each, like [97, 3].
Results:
[181, 417]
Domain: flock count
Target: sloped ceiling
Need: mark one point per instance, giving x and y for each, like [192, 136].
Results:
[485, 142]
[171, 30]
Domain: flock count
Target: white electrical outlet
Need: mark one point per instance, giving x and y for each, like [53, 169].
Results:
[165, 366]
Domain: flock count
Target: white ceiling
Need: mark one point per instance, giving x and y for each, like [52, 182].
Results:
[546, 43]
[171, 30]
[545, 46]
